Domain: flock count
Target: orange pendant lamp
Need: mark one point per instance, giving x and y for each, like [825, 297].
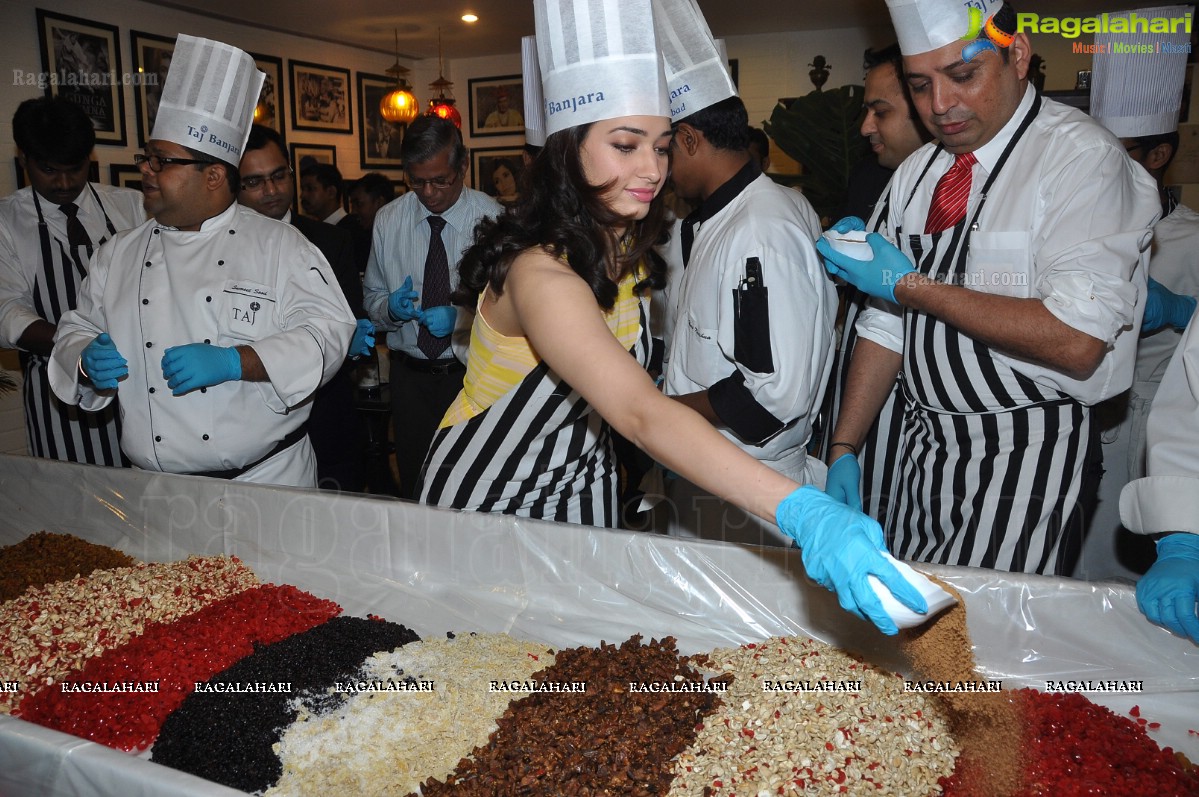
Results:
[399, 105]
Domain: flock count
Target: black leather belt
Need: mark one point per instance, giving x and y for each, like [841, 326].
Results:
[447, 366]
[292, 438]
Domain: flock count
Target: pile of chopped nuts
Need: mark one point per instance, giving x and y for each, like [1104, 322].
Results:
[50, 631]
[386, 742]
[801, 717]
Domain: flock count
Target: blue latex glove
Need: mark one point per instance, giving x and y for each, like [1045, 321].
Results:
[102, 363]
[196, 365]
[848, 224]
[877, 277]
[843, 481]
[1168, 592]
[364, 339]
[1164, 307]
[840, 548]
[439, 320]
[399, 303]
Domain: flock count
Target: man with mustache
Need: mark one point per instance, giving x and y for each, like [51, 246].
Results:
[1007, 301]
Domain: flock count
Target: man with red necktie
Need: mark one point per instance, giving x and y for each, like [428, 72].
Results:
[1005, 302]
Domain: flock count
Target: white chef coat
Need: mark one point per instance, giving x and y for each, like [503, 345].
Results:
[242, 279]
[1175, 264]
[779, 227]
[1168, 498]
[1069, 222]
[20, 248]
[399, 247]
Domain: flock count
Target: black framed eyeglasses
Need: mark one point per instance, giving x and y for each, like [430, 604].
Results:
[436, 182]
[156, 162]
[257, 181]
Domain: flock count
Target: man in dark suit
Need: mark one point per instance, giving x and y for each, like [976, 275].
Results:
[267, 186]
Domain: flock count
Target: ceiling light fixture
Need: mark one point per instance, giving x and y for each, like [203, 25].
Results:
[468, 17]
[399, 105]
[442, 105]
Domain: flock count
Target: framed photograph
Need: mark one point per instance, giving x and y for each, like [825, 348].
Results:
[497, 106]
[378, 140]
[83, 62]
[270, 100]
[125, 176]
[320, 98]
[300, 155]
[151, 62]
[496, 171]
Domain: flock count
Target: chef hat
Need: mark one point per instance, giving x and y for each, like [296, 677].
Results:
[599, 60]
[926, 25]
[534, 104]
[1140, 95]
[209, 98]
[697, 75]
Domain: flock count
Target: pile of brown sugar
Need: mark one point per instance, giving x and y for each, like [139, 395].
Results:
[988, 726]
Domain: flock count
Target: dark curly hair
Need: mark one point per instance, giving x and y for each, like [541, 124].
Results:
[562, 213]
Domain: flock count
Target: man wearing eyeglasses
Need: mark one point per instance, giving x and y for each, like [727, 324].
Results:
[213, 323]
[268, 186]
[413, 267]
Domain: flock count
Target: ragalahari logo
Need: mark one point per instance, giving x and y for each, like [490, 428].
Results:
[991, 38]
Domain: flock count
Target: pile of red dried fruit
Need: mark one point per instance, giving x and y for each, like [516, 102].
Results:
[1075, 748]
[172, 657]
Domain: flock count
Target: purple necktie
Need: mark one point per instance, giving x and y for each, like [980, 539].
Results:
[436, 289]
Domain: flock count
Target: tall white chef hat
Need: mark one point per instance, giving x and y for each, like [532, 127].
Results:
[599, 60]
[1140, 95]
[209, 98]
[697, 74]
[926, 25]
[534, 101]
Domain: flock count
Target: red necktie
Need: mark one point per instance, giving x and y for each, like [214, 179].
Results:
[951, 195]
[435, 290]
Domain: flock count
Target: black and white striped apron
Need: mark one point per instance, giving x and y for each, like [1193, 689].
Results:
[878, 455]
[57, 430]
[992, 464]
[541, 451]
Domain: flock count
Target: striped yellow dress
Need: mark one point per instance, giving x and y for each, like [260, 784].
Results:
[520, 441]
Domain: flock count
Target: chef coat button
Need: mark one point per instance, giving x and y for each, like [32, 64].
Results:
[208, 298]
[157, 438]
[203, 390]
[206, 340]
[153, 389]
[233, 232]
[149, 345]
[220, 262]
[145, 301]
[148, 264]
[156, 232]
[205, 437]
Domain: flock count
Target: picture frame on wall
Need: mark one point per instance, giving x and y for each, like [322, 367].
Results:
[496, 171]
[378, 139]
[269, 111]
[322, 153]
[81, 61]
[151, 60]
[320, 98]
[125, 176]
[497, 106]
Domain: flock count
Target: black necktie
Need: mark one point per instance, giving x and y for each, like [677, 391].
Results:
[436, 289]
[76, 234]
